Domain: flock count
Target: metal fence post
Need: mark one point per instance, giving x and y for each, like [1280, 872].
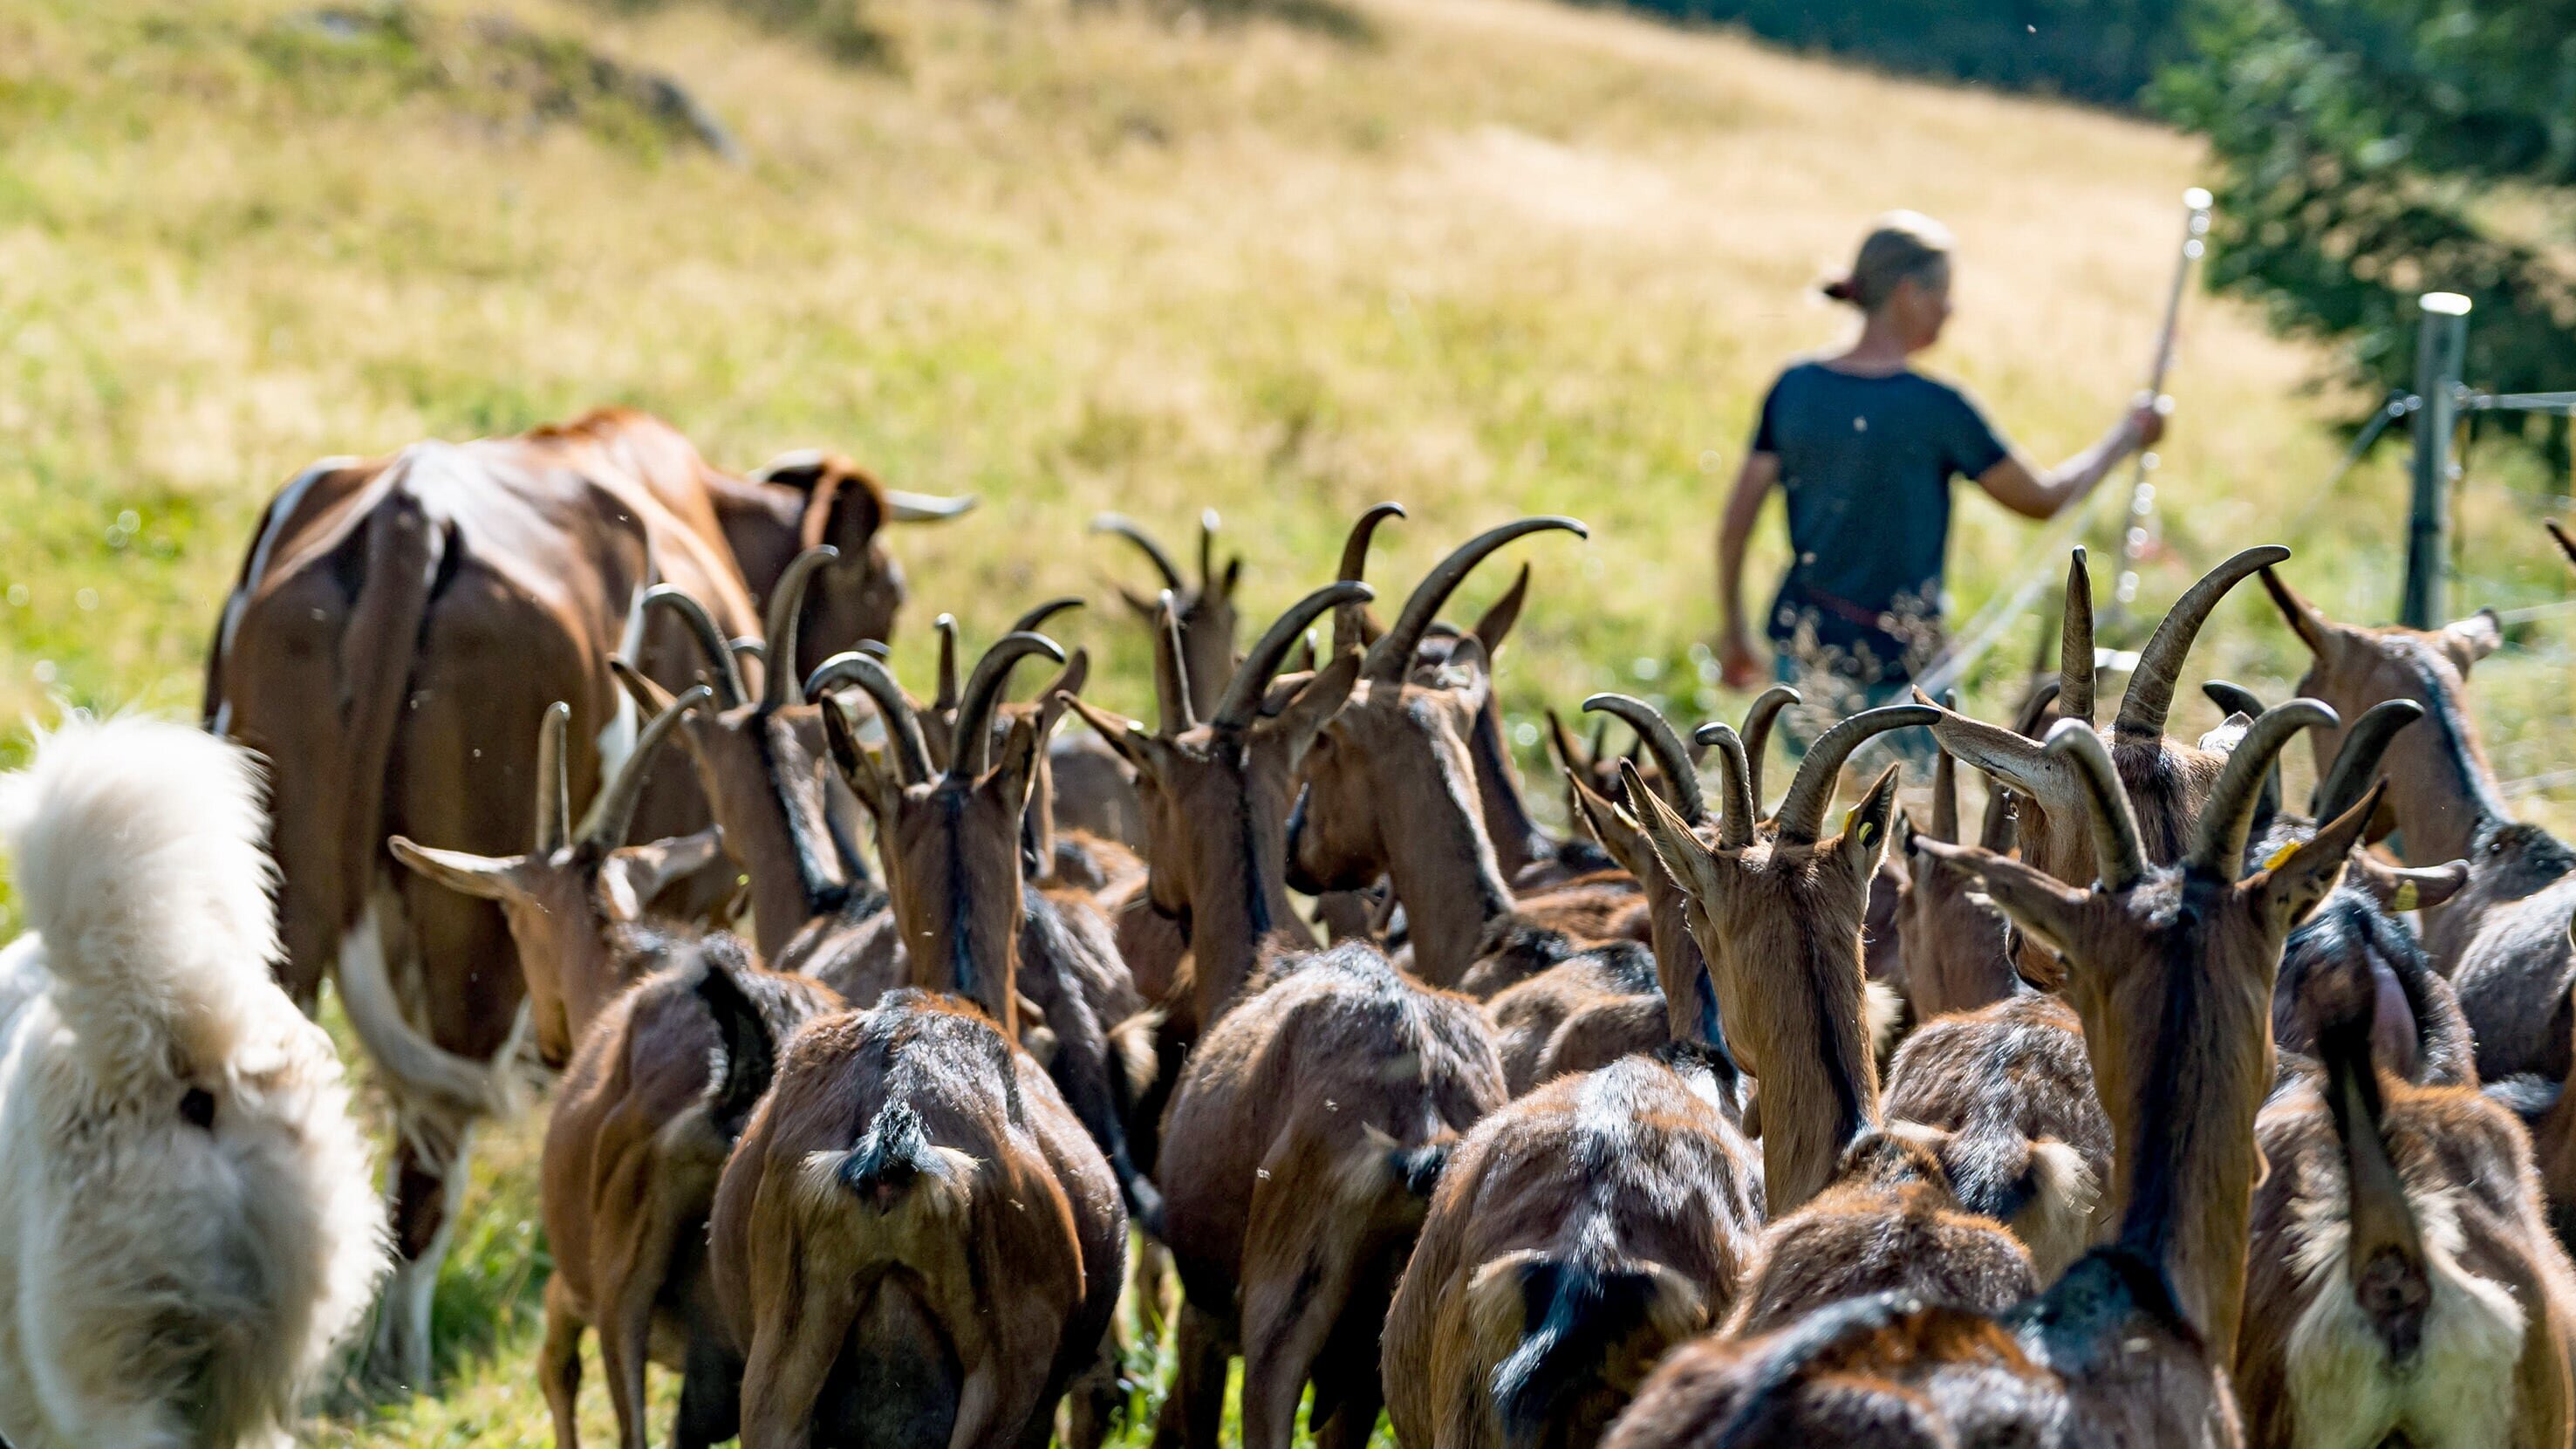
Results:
[2439, 354]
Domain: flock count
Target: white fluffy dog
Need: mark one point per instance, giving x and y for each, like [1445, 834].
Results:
[187, 1220]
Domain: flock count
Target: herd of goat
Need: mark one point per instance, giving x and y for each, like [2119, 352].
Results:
[2151, 1111]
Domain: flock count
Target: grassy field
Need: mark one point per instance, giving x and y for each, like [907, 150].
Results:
[1484, 256]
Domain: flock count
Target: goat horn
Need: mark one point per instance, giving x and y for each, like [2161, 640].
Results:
[786, 610]
[2218, 838]
[2358, 760]
[1666, 746]
[2151, 684]
[973, 747]
[1735, 777]
[723, 671]
[1945, 784]
[604, 828]
[902, 725]
[945, 626]
[1242, 698]
[1757, 735]
[2075, 643]
[1351, 625]
[2236, 699]
[554, 782]
[1392, 654]
[2119, 861]
[1035, 619]
[903, 507]
[2026, 723]
[2566, 543]
[1801, 816]
[1171, 672]
[1134, 532]
[1208, 525]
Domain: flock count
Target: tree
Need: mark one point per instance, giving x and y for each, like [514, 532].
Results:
[2371, 150]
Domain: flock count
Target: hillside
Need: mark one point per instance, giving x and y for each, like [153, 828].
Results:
[1483, 256]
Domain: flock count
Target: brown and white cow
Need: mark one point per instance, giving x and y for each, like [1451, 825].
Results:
[399, 626]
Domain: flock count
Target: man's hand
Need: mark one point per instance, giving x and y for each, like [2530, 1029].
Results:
[1737, 664]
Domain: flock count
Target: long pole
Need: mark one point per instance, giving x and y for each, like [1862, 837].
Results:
[2137, 518]
[2441, 348]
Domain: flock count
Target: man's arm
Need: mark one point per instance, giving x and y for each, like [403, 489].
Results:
[2034, 494]
[1753, 483]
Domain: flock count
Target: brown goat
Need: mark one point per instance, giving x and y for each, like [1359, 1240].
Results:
[1958, 954]
[2503, 940]
[2167, 781]
[1390, 791]
[915, 1243]
[2171, 969]
[1298, 1154]
[2402, 1284]
[634, 1143]
[1575, 1235]
[951, 844]
[1579, 1014]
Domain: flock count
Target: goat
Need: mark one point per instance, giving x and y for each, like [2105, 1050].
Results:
[186, 1221]
[2171, 969]
[1575, 1234]
[2167, 781]
[1390, 789]
[1579, 1014]
[2401, 1281]
[2503, 939]
[969, 924]
[1958, 954]
[1299, 1150]
[915, 1242]
[634, 1144]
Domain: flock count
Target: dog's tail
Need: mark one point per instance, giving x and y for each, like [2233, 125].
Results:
[140, 867]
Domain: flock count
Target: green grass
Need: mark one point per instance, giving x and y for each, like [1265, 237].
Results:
[1286, 259]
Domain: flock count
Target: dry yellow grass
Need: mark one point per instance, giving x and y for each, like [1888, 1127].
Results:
[1484, 256]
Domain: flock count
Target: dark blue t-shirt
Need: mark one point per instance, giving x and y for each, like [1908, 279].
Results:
[1866, 463]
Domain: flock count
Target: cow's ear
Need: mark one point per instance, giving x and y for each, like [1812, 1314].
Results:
[844, 508]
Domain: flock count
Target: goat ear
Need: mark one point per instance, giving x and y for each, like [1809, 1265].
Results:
[861, 771]
[1125, 736]
[1017, 774]
[2044, 907]
[644, 870]
[1863, 843]
[1679, 851]
[1315, 704]
[2418, 889]
[1496, 625]
[1618, 833]
[2472, 639]
[487, 877]
[2292, 885]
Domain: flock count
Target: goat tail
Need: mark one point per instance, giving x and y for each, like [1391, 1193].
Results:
[896, 1167]
[1552, 1328]
[141, 870]
[2040, 1188]
[747, 1058]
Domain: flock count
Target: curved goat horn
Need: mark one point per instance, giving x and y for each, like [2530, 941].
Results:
[902, 725]
[1945, 784]
[604, 827]
[2075, 643]
[2218, 837]
[1801, 817]
[1757, 734]
[2236, 699]
[1735, 825]
[1035, 619]
[2151, 684]
[1242, 698]
[1350, 625]
[1134, 532]
[1392, 654]
[554, 779]
[786, 609]
[905, 507]
[2119, 861]
[972, 749]
[2035, 706]
[945, 699]
[1666, 746]
[2358, 760]
[723, 670]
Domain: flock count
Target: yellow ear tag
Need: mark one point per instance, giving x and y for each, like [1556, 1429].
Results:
[1867, 829]
[2405, 898]
[2282, 854]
